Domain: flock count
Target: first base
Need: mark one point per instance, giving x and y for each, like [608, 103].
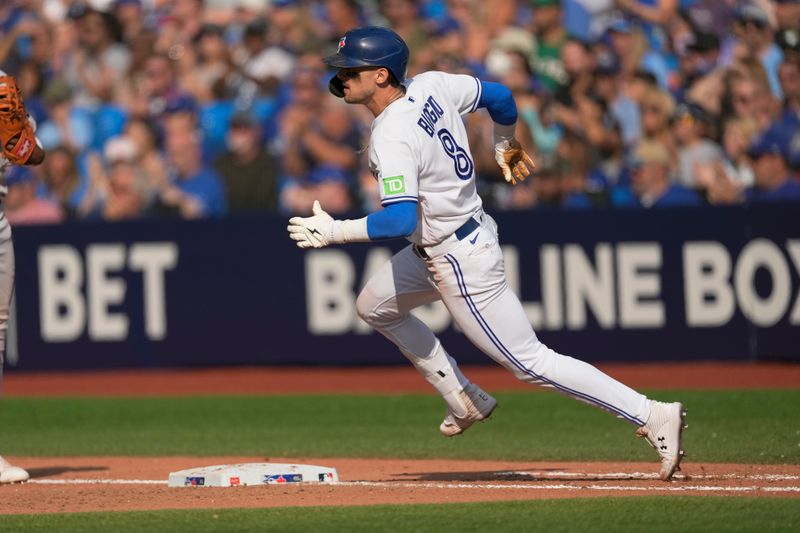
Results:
[248, 474]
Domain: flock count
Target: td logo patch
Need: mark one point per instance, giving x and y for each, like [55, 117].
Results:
[394, 185]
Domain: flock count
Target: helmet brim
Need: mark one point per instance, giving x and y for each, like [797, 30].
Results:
[342, 61]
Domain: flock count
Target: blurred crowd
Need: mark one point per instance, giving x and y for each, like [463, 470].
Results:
[204, 108]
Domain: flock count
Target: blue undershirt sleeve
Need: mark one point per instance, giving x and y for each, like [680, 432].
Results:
[393, 221]
[498, 100]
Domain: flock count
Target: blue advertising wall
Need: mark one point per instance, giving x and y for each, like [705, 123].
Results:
[611, 286]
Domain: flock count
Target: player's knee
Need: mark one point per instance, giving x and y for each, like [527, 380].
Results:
[366, 307]
[377, 312]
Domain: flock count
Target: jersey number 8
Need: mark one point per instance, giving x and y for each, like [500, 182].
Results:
[461, 161]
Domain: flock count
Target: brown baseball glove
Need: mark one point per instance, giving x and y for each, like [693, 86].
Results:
[16, 134]
[514, 162]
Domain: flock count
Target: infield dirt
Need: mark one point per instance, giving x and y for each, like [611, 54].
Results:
[74, 484]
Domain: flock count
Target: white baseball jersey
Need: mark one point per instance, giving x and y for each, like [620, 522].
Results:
[419, 152]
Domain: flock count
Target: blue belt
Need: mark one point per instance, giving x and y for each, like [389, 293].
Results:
[466, 228]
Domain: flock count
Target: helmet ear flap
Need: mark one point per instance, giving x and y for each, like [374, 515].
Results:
[336, 87]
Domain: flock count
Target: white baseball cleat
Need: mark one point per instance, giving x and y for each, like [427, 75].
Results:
[663, 431]
[479, 406]
[12, 474]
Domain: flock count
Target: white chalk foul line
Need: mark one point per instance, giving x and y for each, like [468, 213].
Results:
[97, 481]
[518, 486]
[645, 475]
[473, 486]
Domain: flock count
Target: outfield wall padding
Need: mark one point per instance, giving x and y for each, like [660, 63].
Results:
[678, 284]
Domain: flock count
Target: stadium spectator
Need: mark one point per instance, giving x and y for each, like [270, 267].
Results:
[178, 23]
[639, 83]
[606, 72]
[757, 39]
[736, 139]
[66, 125]
[32, 81]
[322, 142]
[341, 16]
[144, 135]
[131, 17]
[262, 67]
[789, 76]
[446, 48]
[63, 182]
[127, 192]
[700, 73]
[204, 68]
[403, 17]
[748, 93]
[19, 28]
[550, 39]
[22, 206]
[724, 181]
[787, 14]
[545, 190]
[100, 62]
[578, 66]
[292, 26]
[773, 179]
[608, 87]
[539, 115]
[329, 183]
[583, 184]
[690, 126]
[630, 46]
[64, 45]
[248, 170]
[192, 190]
[157, 89]
[652, 16]
[651, 184]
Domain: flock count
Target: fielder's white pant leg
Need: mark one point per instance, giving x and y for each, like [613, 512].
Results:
[6, 279]
[385, 303]
[474, 288]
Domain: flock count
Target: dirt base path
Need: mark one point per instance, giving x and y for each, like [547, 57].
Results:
[403, 379]
[125, 483]
[75, 484]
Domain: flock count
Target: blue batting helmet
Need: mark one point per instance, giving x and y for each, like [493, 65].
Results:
[371, 46]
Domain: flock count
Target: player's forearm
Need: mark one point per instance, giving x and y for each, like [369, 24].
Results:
[515, 163]
[393, 222]
[499, 102]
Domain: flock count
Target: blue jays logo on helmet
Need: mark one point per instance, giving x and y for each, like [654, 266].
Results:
[371, 46]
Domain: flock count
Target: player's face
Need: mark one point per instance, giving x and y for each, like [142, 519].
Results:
[359, 84]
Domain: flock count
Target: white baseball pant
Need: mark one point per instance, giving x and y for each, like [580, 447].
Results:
[469, 277]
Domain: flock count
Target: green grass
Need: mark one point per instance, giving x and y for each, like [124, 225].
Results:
[649, 514]
[725, 426]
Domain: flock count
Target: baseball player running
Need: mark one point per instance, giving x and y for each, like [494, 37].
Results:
[420, 156]
[18, 146]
